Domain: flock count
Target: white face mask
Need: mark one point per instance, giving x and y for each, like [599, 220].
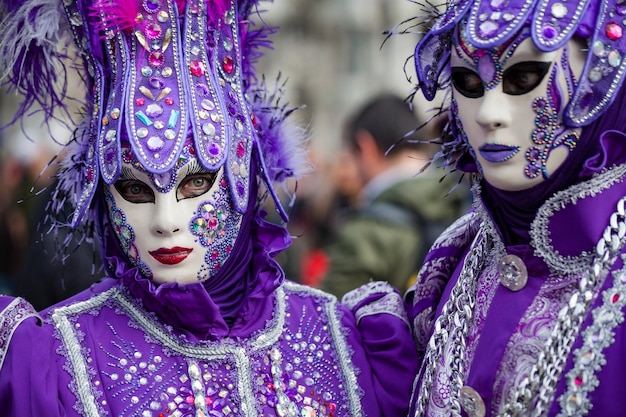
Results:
[181, 229]
[510, 102]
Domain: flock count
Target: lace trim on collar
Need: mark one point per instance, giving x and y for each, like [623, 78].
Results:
[540, 234]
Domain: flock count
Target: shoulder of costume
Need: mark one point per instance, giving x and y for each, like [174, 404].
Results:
[374, 299]
[304, 291]
[13, 312]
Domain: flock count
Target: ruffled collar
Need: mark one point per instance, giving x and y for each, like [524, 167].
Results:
[189, 309]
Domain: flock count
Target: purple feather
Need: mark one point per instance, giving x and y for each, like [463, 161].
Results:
[31, 57]
[282, 143]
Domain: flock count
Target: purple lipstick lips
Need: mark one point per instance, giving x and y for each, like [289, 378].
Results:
[493, 152]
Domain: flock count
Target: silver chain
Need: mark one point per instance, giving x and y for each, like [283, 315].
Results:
[461, 302]
[543, 377]
[545, 374]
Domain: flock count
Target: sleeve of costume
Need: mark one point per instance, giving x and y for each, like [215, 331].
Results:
[386, 337]
[28, 382]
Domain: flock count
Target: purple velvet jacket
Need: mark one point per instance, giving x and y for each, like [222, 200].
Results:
[127, 348]
[508, 334]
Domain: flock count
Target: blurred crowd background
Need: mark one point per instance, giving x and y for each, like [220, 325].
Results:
[334, 57]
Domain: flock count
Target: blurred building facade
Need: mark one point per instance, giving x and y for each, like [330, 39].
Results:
[333, 55]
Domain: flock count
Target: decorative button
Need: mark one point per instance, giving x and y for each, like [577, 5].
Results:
[471, 402]
[513, 273]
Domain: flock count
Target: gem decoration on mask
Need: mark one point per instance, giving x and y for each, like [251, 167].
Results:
[214, 149]
[216, 226]
[164, 181]
[156, 59]
[202, 90]
[208, 129]
[549, 133]
[155, 143]
[207, 105]
[125, 234]
[111, 135]
[173, 119]
[613, 31]
[144, 118]
[241, 149]
[153, 31]
[197, 68]
[558, 10]
[489, 62]
[154, 110]
[156, 82]
[146, 92]
[229, 64]
[164, 93]
[169, 134]
[614, 59]
[605, 67]
[152, 6]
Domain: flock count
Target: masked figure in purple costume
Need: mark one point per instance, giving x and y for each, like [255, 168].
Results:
[519, 307]
[171, 166]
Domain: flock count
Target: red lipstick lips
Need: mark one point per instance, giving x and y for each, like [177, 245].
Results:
[171, 256]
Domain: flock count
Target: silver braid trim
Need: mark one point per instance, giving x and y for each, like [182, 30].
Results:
[389, 304]
[457, 313]
[225, 349]
[540, 234]
[10, 318]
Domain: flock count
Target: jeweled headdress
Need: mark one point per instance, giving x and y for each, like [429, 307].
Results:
[494, 23]
[491, 23]
[160, 74]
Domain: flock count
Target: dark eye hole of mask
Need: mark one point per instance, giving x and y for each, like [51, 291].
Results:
[134, 191]
[519, 79]
[522, 78]
[467, 82]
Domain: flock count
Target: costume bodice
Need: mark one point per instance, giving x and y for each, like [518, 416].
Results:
[101, 353]
[510, 336]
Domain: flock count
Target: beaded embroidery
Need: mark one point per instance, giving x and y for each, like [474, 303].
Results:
[292, 368]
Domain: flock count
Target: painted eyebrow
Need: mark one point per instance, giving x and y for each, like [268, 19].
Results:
[127, 174]
[195, 168]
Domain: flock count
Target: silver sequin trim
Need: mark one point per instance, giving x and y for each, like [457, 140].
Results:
[540, 235]
[354, 297]
[10, 318]
[389, 304]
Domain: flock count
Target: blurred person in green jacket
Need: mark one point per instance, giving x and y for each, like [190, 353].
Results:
[400, 212]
